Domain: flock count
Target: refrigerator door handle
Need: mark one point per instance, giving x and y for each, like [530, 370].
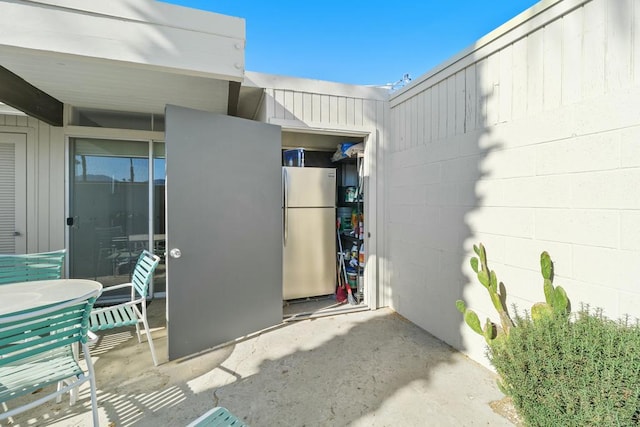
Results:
[285, 206]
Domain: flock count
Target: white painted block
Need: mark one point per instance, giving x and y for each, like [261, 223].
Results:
[616, 189]
[495, 247]
[578, 226]
[611, 268]
[629, 303]
[502, 221]
[630, 146]
[488, 192]
[588, 153]
[581, 293]
[552, 191]
[511, 163]
[525, 253]
[630, 230]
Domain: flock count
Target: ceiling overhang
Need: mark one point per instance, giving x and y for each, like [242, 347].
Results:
[123, 55]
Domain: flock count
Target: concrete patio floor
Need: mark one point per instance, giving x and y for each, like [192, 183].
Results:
[369, 368]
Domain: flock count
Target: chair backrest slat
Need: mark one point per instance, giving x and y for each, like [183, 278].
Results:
[41, 330]
[142, 273]
[29, 267]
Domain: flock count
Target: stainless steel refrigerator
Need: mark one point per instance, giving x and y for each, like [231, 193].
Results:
[309, 231]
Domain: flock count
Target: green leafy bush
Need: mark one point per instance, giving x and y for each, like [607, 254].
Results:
[583, 371]
[559, 369]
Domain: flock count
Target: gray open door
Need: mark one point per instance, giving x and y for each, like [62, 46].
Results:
[224, 248]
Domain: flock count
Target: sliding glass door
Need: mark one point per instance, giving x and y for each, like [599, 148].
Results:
[117, 208]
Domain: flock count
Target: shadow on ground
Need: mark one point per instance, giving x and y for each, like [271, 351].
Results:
[371, 368]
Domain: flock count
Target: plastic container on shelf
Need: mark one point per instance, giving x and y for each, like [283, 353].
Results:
[294, 157]
[352, 277]
[344, 215]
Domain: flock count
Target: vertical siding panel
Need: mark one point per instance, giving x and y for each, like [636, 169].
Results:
[482, 93]
[333, 109]
[427, 115]
[519, 78]
[325, 108]
[279, 106]
[594, 49]
[552, 65]
[399, 126]
[618, 44]
[419, 119]
[506, 84]
[415, 121]
[535, 71]
[451, 106]
[22, 121]
[572, 57]
[493, 89]
[44, 186]
[635, 42]
[56, 198]
[435, 112]
[342, 110]
[316, 108]
[358, 111]
[471, 102]
[393, 143]
[350, 113]
[288, 105]
[404, 126]
[442, 109]
[298, 106]
[307, 109]
[460, 102]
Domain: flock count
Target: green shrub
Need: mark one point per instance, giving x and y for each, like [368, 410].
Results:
[560, 370]
[579, 372]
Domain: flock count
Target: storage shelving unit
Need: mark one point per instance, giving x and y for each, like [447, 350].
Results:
[350, 176]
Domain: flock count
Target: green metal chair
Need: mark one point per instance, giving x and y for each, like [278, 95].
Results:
[217, 417]
[36, 351]
[134, 311]
[29, 267]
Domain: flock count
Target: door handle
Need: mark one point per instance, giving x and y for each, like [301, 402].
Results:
[17, 233]
[175, 253]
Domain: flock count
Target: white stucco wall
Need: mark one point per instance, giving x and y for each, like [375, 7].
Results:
[528, 141]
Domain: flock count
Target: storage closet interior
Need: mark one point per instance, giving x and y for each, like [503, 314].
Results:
[323, 224]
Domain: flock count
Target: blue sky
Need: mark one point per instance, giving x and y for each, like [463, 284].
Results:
[357, 41]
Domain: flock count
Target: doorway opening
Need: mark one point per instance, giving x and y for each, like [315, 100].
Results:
[341, 240]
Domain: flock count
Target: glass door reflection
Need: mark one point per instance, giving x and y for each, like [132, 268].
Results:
[111, 198]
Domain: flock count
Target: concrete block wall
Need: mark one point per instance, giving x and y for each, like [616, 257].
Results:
[527, 141]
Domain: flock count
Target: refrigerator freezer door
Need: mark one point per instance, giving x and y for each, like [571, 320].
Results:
[309, 256]
[309, 187]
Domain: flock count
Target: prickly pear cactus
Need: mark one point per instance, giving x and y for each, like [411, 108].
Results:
[556, 300]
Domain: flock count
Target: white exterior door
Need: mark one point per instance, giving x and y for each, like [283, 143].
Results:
[13, 193]
[224, 229]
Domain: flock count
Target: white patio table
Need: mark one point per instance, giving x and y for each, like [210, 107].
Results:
[15, 297]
